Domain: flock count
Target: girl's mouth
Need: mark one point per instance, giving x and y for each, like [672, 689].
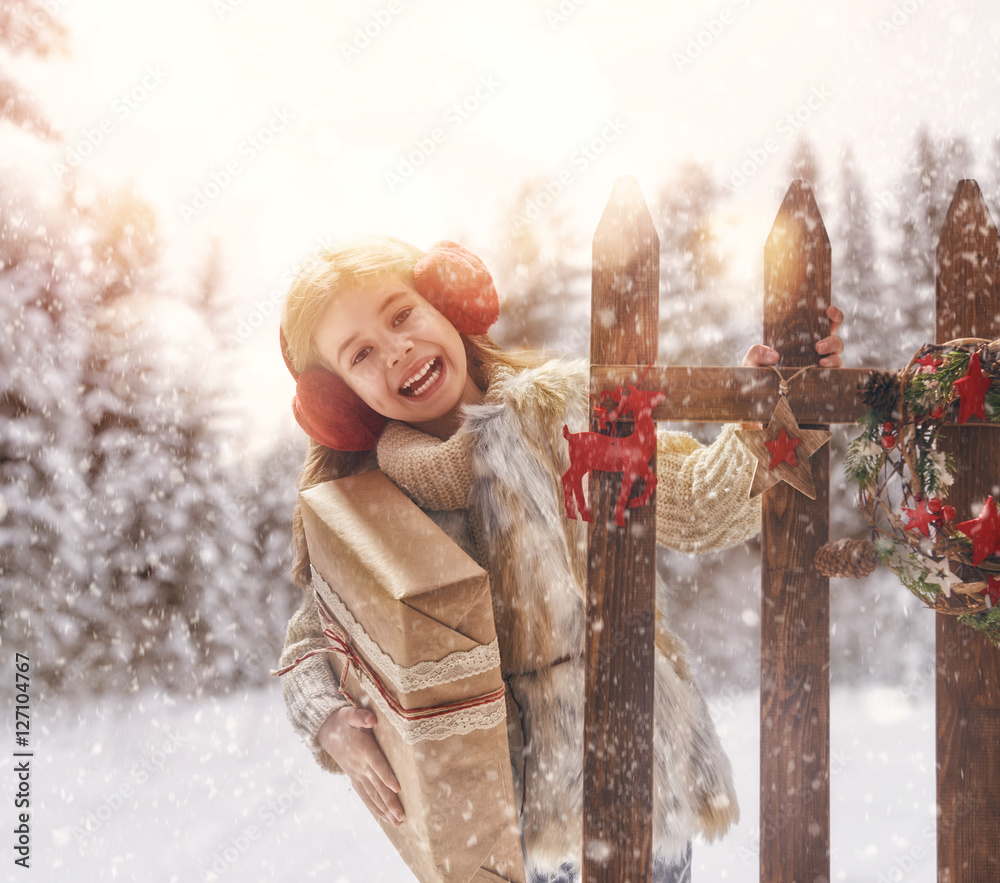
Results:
[422, 379]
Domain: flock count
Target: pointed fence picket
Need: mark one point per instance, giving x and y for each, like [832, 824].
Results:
[795, 623]
[968, 667]
[621, 602]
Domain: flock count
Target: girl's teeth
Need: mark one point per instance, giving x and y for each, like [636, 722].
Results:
[407, 387]
[416, 377]
[434, 376]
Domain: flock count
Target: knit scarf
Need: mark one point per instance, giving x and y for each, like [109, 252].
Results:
[437, 474]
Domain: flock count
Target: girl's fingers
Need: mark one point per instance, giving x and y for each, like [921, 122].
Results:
[832, 346]
[381, 770]
[829, 348]
[388, 799]
[831, 362]
[836, 318]
[375, 773]
[374, 760]
[361, 718]
[369, 796]
[760, 356]
[383, 779]
[388, 805]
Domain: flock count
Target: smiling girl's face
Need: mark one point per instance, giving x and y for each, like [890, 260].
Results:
[400, 355]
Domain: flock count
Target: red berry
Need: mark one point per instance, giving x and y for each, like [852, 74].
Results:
[889, 427]
[936, 413]
[917, 497]
[888, 442]
[934, 504]
[948, 512]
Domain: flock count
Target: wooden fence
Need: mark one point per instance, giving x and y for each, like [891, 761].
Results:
[795, 619]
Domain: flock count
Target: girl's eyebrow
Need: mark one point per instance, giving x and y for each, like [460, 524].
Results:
[386, 306]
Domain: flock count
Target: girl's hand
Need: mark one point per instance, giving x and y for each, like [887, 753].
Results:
[346, 735]
[830, 348]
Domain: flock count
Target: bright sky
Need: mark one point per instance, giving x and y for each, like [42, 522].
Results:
[275, 125]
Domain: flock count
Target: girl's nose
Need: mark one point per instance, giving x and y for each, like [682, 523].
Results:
[397, 349]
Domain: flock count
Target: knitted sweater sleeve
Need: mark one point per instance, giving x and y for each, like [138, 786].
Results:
[702, 493]
[310, 689]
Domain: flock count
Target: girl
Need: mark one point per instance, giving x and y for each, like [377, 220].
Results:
[395, 369]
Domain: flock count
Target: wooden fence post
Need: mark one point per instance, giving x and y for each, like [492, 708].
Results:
[621, 602]
[968, 667]
[795, 598]
[795, 621]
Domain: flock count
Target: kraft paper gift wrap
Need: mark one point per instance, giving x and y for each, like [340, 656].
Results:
[411, 617]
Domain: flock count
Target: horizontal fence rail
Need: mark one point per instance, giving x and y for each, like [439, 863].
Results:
[795, 626]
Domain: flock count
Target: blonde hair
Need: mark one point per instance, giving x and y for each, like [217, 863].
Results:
[358, 261]
[361, 260]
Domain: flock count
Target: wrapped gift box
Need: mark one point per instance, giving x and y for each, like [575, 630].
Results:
[411, 619]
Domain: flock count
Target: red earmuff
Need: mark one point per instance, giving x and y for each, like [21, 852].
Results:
[457, 284]
[330, 411]
[450, 278]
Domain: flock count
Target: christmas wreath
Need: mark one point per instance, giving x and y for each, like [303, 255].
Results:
[903, 480]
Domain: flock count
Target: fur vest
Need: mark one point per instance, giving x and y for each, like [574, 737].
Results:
[511, 516]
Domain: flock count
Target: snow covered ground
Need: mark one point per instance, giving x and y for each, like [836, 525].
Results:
[149, 789]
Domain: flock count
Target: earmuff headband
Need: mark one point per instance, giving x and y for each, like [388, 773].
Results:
[450, 278]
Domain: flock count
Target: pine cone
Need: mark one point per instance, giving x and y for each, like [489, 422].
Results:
[989, 361]
[847, 558]
[880, 392]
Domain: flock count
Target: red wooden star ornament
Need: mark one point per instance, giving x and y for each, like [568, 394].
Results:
[984, 532]
[782, 451]
[972, 391]
[921, 518]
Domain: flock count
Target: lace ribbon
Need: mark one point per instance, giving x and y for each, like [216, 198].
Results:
[431, 723]
[421, 675]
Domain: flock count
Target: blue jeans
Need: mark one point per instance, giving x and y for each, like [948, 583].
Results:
[678, 872]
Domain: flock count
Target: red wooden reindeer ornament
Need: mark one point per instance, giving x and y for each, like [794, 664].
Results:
[607, 453]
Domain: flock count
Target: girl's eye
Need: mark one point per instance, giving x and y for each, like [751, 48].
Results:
[361, 355]
[401, 316]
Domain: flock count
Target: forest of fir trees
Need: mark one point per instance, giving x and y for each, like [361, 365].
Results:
[138, 550]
